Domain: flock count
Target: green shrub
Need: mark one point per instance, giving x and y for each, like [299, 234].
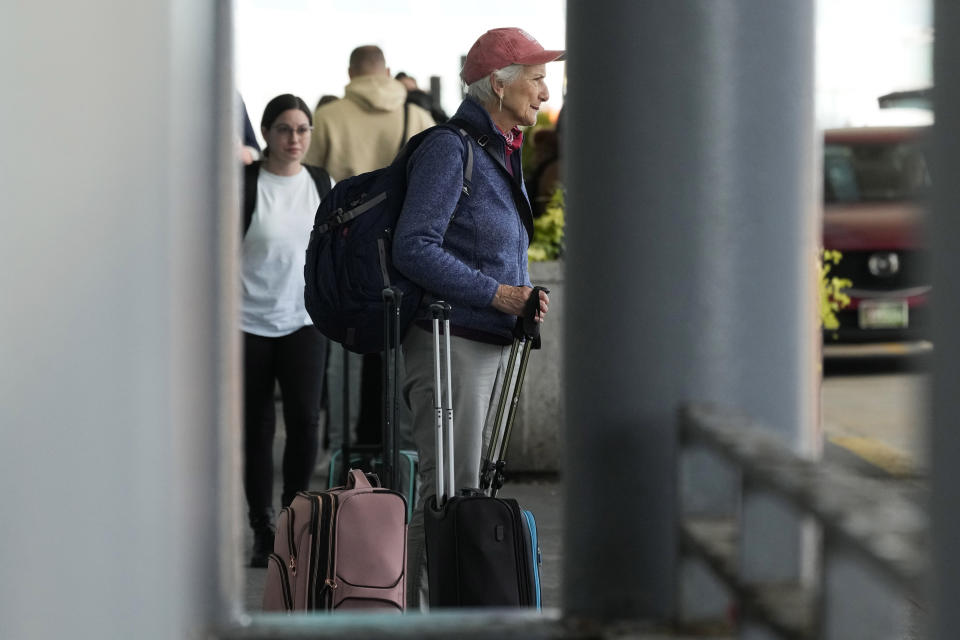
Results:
[548, 231]
[528, 157]
[832, 297]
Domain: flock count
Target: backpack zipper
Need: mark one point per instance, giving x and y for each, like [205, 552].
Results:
[315, 518]
[291, 548]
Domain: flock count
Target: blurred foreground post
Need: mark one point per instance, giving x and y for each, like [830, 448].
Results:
[690, 271]
[945, 229]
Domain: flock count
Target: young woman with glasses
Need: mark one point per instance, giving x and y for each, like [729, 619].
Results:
[280, 342]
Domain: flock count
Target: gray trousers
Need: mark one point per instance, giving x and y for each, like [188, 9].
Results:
[477, 371]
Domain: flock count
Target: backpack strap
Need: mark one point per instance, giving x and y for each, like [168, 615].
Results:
[342, 216]
[468, 164]
[519, 198]
[320, 178]
[251, 173]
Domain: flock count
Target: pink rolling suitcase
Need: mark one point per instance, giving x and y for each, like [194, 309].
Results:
[340, 549]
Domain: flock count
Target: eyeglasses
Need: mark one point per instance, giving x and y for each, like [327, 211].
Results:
[286, 130]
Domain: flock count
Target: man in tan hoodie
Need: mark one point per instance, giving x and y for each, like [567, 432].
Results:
[365, 130]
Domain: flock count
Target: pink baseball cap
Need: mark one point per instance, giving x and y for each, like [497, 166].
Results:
[499, 48]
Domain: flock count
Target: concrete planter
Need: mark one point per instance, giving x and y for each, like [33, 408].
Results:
[535, 445]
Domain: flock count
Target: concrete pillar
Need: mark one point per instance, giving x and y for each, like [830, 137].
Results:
[118, 360]
[945, 229]
[691, 248]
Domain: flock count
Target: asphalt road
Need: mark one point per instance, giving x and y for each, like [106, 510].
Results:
[875, 411]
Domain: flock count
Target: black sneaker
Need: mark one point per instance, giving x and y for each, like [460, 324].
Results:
[262, 547]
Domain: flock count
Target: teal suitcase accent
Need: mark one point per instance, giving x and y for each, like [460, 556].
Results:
[372, 461]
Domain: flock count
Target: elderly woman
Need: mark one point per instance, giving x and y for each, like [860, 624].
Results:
[470, 251]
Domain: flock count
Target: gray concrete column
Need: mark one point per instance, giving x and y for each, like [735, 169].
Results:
[690, 265]
[114, 354]
[945, 229]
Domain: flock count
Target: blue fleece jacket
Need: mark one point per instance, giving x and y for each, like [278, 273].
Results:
[460, 254]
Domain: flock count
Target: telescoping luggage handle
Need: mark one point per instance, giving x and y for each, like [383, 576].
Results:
[392, 297]
[444, 415]
[526, 332]
[345, 454]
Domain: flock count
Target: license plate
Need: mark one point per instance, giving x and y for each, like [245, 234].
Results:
[884, 314]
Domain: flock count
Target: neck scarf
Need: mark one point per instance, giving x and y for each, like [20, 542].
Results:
[514, 140]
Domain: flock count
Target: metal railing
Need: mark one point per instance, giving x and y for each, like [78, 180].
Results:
[861, 542]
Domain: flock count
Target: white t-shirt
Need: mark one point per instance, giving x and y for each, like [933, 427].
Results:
[274, 249]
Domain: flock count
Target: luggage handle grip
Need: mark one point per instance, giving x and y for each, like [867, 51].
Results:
[440, 310]
[392, 300]
[392, 295]
[357, 479]
[527, 326]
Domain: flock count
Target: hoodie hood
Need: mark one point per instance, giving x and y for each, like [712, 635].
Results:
[376, 93]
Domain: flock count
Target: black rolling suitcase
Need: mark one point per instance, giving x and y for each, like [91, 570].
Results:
[396, 468]
[482, 551]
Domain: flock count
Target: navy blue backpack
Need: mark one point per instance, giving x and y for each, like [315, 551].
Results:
[349, 259]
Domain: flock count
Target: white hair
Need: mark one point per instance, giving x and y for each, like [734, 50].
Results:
[481, 89]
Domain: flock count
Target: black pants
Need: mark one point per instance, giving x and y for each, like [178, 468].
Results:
[297, 361]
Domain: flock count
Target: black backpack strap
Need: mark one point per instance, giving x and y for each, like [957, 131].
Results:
[408, 149]
[414, 143]
[481, 138]
[468, 164]
[250, 174]
[320, 178]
